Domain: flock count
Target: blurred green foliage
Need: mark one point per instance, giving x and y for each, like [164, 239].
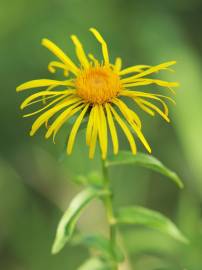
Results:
[37, 181]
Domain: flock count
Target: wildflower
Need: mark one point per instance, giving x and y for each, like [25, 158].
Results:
[95, 90]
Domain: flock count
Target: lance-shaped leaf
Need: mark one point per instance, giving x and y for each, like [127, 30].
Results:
[69, 219]
[137, 215]
[143, 160]
[103, 246]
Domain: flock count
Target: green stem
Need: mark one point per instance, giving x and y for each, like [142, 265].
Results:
[110, 212]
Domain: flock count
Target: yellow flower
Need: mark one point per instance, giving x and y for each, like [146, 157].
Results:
[95, 90]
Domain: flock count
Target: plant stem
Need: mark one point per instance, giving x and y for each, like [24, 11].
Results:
[110, 212]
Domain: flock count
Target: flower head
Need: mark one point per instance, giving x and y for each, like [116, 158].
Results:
[95, 90]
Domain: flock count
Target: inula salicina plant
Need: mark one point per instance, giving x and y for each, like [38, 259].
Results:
[94, 95]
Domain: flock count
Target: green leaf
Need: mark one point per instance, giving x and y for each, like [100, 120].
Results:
[94, 264]
[94, 178]
[69, 219]
[103, 246]
[143, 160]
[142, 216]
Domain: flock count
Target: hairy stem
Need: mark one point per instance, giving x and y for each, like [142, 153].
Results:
[110, 212]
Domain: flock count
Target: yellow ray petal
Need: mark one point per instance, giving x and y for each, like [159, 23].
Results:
[72, 112]
[118, 64]
[136, 97]
[128, 84]
[155, 108]
[141, 137]
[130, 115]
[129, 93]
[144, 108]
[125, 129]
[103, 44]
[136, 94]
[29, 100]
[138, 68]
[74, 130]
[55, 64]
[42, 83]
[112, 129]
[95, 61]
[133, 81]
[166, 97]
[47, 115]
[103, 132]
[61, 55]
[94, 135]
[68, 102]
[98, 120]
[80, 52]
[62, 118]
[50, 88]
[161, 101]
[45, 107]
[154, 69]
[42, 100]
[90, 126]
[164, 83]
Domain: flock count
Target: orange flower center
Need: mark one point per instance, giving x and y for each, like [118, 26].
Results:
[98, 85]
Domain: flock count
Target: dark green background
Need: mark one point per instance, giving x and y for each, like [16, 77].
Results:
[36, 180]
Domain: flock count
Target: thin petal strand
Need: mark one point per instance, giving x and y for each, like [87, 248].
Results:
[154, 69]
[145, 108]
[28, 100]
[112, 129]
[47, 115]
[75, 108]
[93, 141]
[95, 61]
[80, 52]
[103, 131]
[62, 118]
[130, 115]
[74, 130]
[90, 126]
[131, 81]
[141, 137]
[129, 93]
[118, 64]
[156, 97]
[41, 83]
[61, 55]
[125, 129]
[55, 64]
[154, 107]
[103, 44]
[45, 107]
[133, 69]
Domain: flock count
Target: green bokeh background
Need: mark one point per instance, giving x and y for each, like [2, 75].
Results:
[37, 181]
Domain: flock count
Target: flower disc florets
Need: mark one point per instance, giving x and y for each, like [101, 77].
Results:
[98, 85]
